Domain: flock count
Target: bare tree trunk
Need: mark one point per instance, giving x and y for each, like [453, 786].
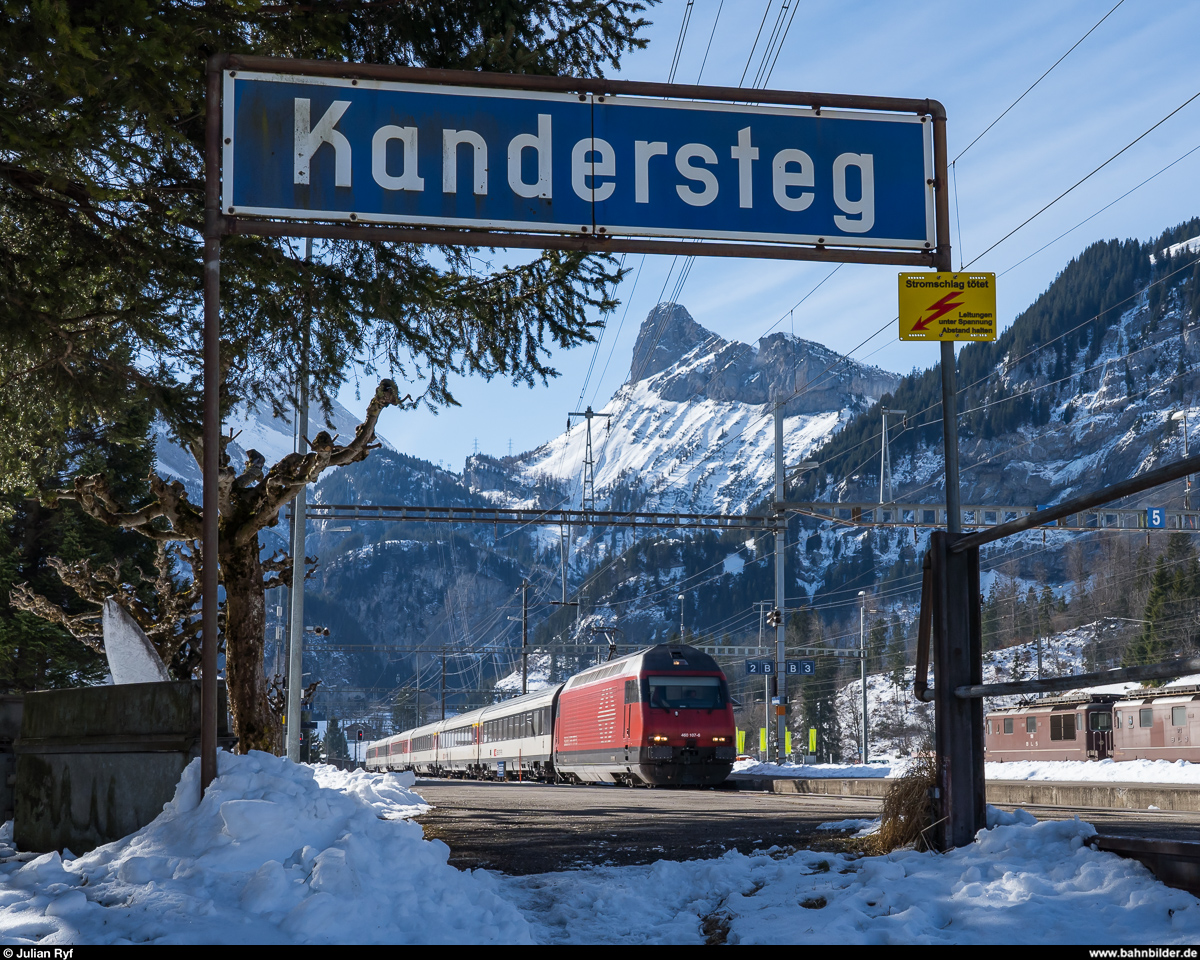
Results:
[247, 502]
[256, 726]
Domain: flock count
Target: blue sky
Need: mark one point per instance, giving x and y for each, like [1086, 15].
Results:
[976, 58]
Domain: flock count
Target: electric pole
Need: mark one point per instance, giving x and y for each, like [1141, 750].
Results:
[885, 462]
[588, 502]
[862, 649]
[763, 606]
[780, 586]
[296, 638]
[525, 636]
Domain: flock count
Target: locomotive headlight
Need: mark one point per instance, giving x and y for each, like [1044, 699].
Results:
[658, 738]
[719, 739]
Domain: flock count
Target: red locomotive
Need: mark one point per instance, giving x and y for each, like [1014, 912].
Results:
[660, 716]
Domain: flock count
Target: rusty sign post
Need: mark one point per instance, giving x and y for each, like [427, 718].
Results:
[345, 151]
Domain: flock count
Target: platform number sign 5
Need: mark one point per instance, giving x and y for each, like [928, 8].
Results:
[1156, 518]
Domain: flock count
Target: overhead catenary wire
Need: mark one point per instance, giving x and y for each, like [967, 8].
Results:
[1111, 203]
[683, 28]
[1028, 89]
[1082, 180]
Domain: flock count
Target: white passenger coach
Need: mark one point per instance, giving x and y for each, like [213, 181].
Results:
[515, 733]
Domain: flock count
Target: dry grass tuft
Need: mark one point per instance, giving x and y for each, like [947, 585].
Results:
[907, 810]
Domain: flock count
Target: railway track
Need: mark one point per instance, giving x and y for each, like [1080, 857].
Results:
[535, 828]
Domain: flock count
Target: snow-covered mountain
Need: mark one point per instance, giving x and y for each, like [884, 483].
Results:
[693, 427]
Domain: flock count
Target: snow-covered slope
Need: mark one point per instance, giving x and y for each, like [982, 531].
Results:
[693, 427]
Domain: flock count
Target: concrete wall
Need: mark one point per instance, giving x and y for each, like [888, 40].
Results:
[94, 764]
[10, 727]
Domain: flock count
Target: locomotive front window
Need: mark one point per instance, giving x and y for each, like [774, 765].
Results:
[1031, 724]
[1101, 721]
[693, 693]
[1178, 716]
[1146, 717]
[1008, 725]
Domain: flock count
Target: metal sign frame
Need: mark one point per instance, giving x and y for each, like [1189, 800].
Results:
[255, 102]
[219, 223]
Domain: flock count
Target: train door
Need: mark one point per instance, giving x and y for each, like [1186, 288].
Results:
[631, 699]
[1100, 734]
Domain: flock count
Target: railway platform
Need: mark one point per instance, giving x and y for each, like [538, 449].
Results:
[1086, 795]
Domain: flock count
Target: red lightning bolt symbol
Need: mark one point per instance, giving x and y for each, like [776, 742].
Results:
[942, 307]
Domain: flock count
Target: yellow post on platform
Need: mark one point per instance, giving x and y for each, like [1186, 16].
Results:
[762, 739]
[788, 743]
[741, 741]
[812, 739]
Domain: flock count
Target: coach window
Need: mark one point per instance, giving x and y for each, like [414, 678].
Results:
[1031, 724]
[1146, 717]
[1178, 716]
[1008, 725]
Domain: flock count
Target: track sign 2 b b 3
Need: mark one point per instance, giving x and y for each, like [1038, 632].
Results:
[947, 306]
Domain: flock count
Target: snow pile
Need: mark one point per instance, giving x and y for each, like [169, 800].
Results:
[1096, 771]
[387, 793]
[819, 771]
[273, 853]
[1089, 771]
[1022, 881]
[859, 828]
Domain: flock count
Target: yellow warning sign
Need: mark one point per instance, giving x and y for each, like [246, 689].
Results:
[947, 306]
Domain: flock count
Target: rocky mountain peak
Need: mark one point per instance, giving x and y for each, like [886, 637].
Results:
[732, 371]
[668, 334]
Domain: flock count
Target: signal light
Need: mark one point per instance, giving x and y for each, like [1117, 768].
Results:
[775, 618]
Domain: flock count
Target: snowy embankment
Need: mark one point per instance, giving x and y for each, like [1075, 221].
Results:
[273, 853]
[1021, 882]
[277, 852]
[1073, 771]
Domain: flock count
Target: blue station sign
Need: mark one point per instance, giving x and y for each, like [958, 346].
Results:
[384, 152]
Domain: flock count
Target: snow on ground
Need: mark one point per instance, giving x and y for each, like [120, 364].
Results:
[1022, 881]
[1078, 771]
[1096, 771]
[276, 852]
[273, 853]
[819, 771]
